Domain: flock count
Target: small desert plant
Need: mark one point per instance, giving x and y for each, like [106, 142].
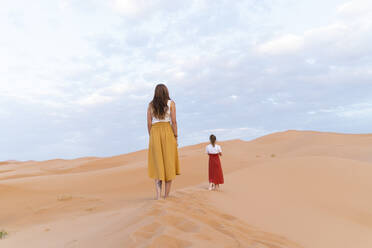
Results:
[273, 155]
[3, 234]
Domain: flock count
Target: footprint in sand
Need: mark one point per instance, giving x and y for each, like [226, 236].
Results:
[189, 221]
[181, 223]
[71, 244]
[169, 242]
[91, 209]
[156, 211]
[228, 217]
[147, 231]
[64, 198]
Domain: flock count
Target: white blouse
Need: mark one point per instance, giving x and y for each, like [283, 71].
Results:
[213, 150]
[167, 117]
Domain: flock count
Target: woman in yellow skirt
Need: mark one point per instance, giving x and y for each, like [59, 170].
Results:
[163, 164]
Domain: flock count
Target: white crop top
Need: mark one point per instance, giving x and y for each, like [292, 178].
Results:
[167, 117]
[213, 149]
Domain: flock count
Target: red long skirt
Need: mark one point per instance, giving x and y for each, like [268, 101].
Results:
[215, 170]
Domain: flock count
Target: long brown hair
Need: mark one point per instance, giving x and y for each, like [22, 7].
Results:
[212, 139]
[160, 100]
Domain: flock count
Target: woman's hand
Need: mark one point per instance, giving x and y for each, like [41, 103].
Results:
[175, 136]
[173, 118]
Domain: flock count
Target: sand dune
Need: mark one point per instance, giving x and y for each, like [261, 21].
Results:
[288, 189]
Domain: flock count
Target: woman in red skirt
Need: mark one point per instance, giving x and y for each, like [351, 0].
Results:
[215, 171]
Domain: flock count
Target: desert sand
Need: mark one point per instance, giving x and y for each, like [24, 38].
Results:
[289, 189]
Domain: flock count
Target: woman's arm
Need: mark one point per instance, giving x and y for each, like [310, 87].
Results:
[149, 119]
[173, 118]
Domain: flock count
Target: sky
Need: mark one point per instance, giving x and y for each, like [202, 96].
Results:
[76, 76]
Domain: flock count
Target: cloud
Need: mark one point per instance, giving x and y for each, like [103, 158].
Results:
[76, 78]
[234, 97]
[106, 94]
[130, 7]
[140, 8]
[349, 34]
[285, 44]
[352, 111]
[94, 99]
[355, 8]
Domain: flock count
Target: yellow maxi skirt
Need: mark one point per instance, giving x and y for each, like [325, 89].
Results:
[163, 161]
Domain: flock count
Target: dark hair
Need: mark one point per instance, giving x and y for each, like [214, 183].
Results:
[212, 139]
[160, 100]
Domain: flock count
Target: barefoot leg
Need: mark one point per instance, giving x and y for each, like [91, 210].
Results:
[158, 184]
[168, 185]
[210, 186]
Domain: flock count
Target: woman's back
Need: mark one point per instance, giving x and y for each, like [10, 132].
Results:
[210, 149]
[167, 117]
